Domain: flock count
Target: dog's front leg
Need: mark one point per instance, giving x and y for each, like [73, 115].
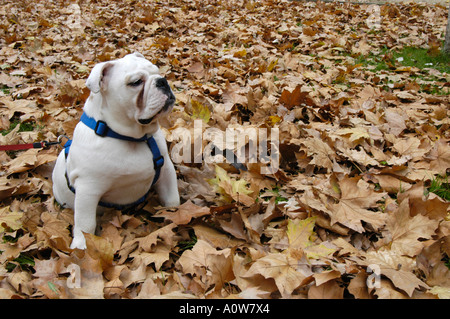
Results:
[85, 212]
[167, 186]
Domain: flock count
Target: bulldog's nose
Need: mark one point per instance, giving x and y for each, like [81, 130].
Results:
[162, 84]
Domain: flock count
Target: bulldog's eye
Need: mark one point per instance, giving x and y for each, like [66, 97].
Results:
[135, 83]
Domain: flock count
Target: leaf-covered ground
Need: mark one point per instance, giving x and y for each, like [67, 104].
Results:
[363, 134]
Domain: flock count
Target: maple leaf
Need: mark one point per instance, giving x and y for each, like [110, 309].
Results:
[185, 213]
[301, 233]
[356, 133]
[31, 159]
[360, 157]
[440, 157]
[282, 269]
[395, 122]
[406, 230]
[358, 286]
[54, 232]
[200, 111]
[397, 268]
[165, 234]
[441, 292]
[296, 98]
[356, 197]
[322, 153]
[409, 146]
[213, 266]
[234, 227]
[99, 248]
[302, 239]
[9, 219]
[329, 290]
[230, 188]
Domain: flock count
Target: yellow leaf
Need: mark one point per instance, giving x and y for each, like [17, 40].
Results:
[272, 65]
[274, 119]
[221, 179]
[200, 111]
[9, 219]
[99, 23]
[302, 239]
[301, 232]
[241, 53]
[230, 188]
[240, 187]
[441, 292]
[321, 250]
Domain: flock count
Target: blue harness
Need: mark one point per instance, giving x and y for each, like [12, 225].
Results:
[102, 129]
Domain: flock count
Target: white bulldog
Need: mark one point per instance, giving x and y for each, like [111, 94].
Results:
[110, 161]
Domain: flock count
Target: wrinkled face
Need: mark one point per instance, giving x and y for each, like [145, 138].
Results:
[133, 88]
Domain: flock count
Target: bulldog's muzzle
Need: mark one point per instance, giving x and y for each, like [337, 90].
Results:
[162, 85]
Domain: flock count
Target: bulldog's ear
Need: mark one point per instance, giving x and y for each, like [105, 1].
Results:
[98, 76]
[139, 55]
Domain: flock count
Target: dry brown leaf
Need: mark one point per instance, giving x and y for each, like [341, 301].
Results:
[282, 269]
[321, 152]
[397, 268]
[165, 234]
[408, 233]
[296, 98]
[327, 290]
[211, 265]
[99, 248]
[356, 197]
[185, 212]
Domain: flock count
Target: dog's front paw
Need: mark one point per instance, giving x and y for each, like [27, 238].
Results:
[78, 242]
[172, 202]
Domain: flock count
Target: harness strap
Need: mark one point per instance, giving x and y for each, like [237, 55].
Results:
[158, 159]
[102, 129]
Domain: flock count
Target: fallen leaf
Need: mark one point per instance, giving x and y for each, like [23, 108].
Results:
[328, 290]
[185, 213]
[296, 98]
[356, 197]
[397, 268]
[213, 266]
[408, 233]
[10, 220]
[282, 269]
[321, 152]
[99, 248]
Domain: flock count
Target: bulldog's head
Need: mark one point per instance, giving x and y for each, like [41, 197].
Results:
[132, 87]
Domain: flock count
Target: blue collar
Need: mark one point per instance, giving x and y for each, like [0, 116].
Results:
[102, 129]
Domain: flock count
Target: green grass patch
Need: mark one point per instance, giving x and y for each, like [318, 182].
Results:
[421, 58]
[187, 244]
[24, 261]
[441, 187]
[408, 56]
[24, 126]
